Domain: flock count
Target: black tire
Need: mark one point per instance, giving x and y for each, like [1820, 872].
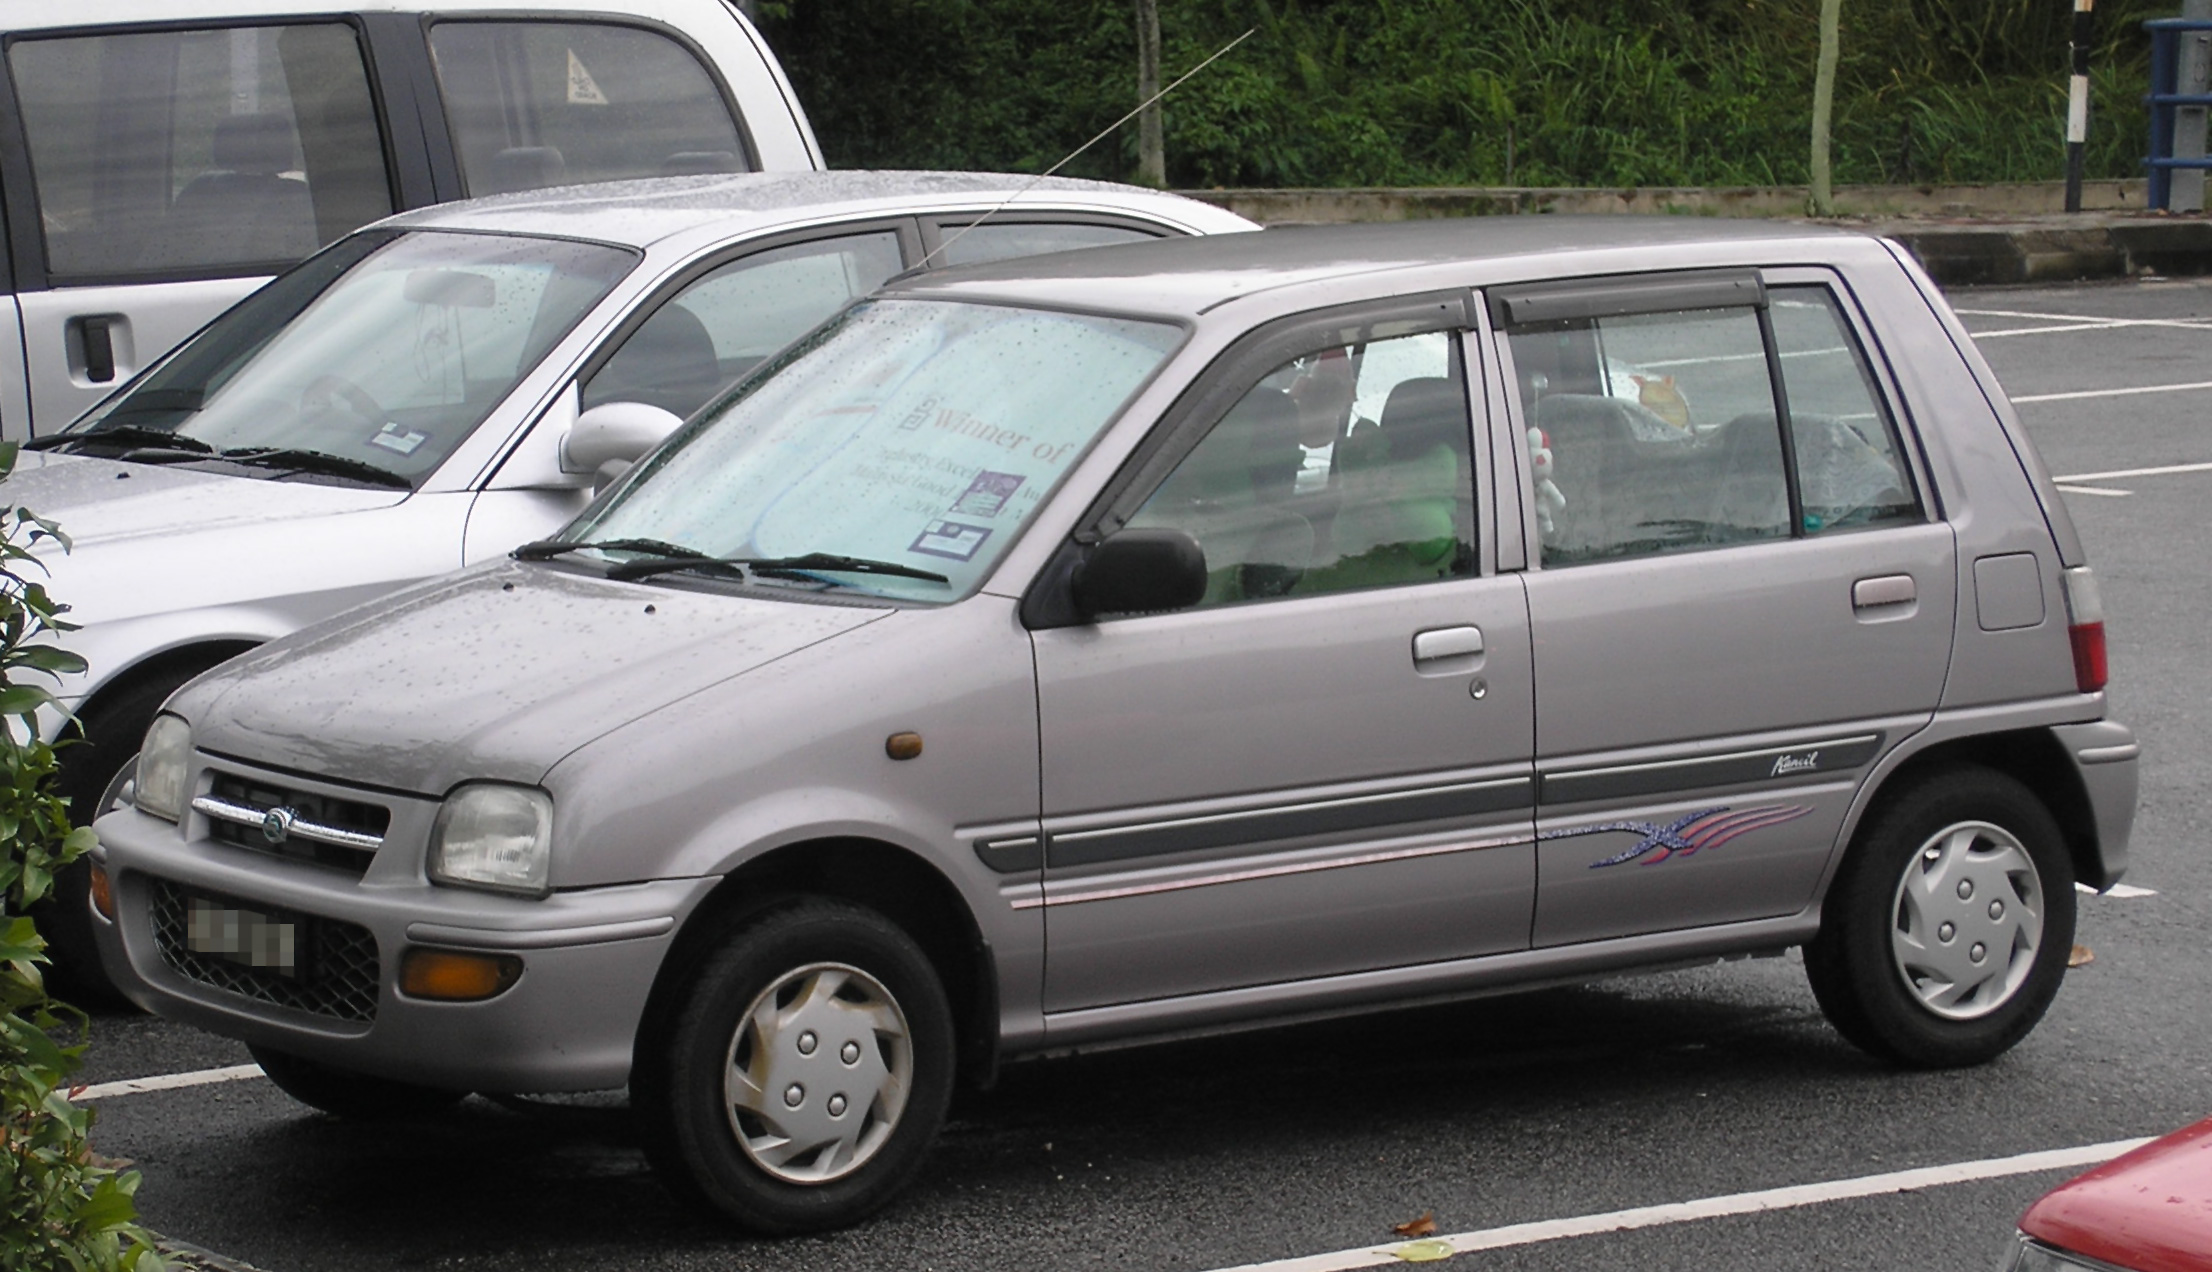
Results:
[714, 1156]
[91, 772]
[1985, 829]
[356, 1097]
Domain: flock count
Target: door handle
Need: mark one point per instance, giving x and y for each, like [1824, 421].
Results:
[96, 346]
[1441, 643]
[1884, 590]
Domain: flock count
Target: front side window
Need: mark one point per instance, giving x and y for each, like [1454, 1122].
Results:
[535, 104]
[182, 153]
[1345, 468]
[378, 357]
[721, 326]
[915, 438]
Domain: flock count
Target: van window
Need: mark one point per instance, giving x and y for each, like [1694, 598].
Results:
[536, 104]
[175, 154]
[1850, 469]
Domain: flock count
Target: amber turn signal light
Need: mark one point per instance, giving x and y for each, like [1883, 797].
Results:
[450, 976]
[103, 893]
[903, 746]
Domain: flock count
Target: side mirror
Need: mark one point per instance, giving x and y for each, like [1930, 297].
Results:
[1140, 572]
[614, 433]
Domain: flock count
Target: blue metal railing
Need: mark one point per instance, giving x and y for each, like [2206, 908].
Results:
[2165, 98]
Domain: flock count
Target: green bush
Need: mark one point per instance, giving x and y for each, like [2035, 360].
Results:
[1470, 92]
[60, 1207]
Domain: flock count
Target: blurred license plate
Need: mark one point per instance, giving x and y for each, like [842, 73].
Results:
[242, 936]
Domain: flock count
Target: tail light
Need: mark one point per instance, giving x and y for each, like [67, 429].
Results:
[2085, 627]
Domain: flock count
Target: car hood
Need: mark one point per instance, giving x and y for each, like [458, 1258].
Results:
[493, 673]
[96, 500]
[2149, 1210]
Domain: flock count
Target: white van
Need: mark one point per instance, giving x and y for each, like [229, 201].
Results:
[161, 158]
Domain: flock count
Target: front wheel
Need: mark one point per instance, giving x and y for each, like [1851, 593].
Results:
[1946, 933]
[804, 1073]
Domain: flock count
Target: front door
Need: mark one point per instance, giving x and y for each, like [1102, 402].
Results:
[1741, 602]
[1323, 767]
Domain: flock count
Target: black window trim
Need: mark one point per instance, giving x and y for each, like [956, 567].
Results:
[749, 148]
[939, 227]
[1048, 603]
[29, 249]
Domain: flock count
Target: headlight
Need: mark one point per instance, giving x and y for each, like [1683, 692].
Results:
[493, 836]
[163, 759]
[2032, 1256]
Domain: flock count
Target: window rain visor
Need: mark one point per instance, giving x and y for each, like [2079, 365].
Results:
[373, 360]
[915, 436]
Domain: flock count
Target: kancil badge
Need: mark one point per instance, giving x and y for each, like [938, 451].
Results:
[951, 539]
[987, 494]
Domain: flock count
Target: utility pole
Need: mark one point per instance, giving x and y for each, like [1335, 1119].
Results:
[1151, 148]
[1824, 103]
[2077, 104]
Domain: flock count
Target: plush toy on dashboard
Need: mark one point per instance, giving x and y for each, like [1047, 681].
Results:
[1549, 501]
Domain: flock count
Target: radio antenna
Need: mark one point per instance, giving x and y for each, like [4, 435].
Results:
[1070, 157]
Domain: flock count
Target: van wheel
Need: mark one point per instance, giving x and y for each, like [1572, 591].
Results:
[804, 1072]
[1946, 933]
[356, 1097]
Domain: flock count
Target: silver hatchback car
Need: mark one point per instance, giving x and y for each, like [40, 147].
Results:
[1171, 637]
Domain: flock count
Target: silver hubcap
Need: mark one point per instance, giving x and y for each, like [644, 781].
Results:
[818, 1073]
[1969, 917]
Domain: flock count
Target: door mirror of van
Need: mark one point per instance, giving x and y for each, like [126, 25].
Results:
[614, 433]
[1140, 572]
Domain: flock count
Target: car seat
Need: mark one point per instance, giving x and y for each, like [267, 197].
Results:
[519, 168]
[667, 362]
[1407, 504]
[246, 211]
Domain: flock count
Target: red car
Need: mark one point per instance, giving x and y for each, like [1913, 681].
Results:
[2145, 1211]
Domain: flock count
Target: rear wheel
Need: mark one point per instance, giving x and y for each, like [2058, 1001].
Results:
[804, 1071]
[356, 1097]
[1946, 933]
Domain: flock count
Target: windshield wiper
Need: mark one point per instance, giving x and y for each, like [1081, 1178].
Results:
[320, 463]
[126, 437]
[547, 549]
[779, 567]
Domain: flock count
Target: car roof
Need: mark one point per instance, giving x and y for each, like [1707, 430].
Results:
[2149, 1210]
[648, 211]
[1186, 278]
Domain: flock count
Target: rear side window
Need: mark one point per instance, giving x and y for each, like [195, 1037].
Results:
[1658, 432]
[536, 104]
[174, 154]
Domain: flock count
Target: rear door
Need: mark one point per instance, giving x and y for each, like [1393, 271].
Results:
[1741, 599]
[1322, 768]
[164, 173]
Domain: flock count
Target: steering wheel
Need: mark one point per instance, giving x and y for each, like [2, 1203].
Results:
[324, 394]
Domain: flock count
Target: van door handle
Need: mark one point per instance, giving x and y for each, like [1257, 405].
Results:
[1441, 643]
[1885, 590]
[97, 337]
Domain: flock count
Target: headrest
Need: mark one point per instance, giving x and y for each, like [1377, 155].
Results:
[1422, 413]
[527, 168]
[688, 163]
[257, 144]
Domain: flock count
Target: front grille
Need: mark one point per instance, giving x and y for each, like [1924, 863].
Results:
[338, 972]
[343, 814]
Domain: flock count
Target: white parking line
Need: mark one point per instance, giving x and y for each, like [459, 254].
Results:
[2045, 331]
[2093, 320]
[2096, 490]
[167, 1082]
[1519, 1234]
[2117, 473]
[2098, 393]
[2123, 891]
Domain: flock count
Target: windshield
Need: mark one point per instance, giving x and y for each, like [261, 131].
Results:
[374, 358]
[913, 435]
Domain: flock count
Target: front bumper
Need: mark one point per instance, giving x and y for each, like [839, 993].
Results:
[568, 1024]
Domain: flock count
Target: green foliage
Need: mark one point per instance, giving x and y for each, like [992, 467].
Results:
[1470, 92]
[60, 1207]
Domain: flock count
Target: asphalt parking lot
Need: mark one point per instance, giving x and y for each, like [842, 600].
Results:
[1297, 1145]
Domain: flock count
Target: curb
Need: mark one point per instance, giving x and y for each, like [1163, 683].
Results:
[1963, 236]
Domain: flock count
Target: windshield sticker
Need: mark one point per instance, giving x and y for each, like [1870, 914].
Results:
[950, 539]
[396, 437]
[987, 494]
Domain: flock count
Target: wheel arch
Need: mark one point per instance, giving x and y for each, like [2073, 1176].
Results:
[181, 662]
[2038, 761]
[890, 880]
